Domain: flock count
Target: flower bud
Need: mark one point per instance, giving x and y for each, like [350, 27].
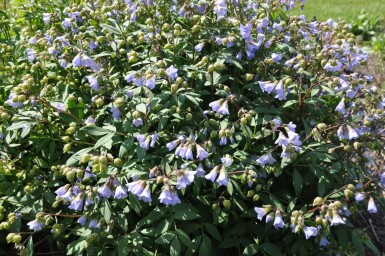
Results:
[16, 238]
[85, 158]
[66, 148]
[227, 204]
[317, 201]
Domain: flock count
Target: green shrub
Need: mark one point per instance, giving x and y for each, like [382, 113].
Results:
[162, 128]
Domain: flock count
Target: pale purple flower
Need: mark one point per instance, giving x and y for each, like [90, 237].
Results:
[93, 224]
[60, 107]
[382, 183]
[212, 175]
[220, 9]
[137, 122]
[62, 190]
[63, 63]
[333, 67]
[93, 45]
[269, 217]
[280, 91]
[223, 141]
[282, 140]
[224, 109]
[67, 196]
[172, 72]
[116, 114]
[129, 78]
[154, 138]
[336, 220]
[31, 55]
[93, 81]
[169, 198]
[90, 121]
[145, 196]
[267, 86]
[36, 225]
[372, 207]
[266, 159]
[184, 178]
[52, 50]
[188, 154]
[201, 152]
[222, 178]
[261, 212]
[47, 18]
[215, 105]
[347, 132]
[341, 106]
[135, 187]
[66, 23]
[324, 241]
[32, 40]
[276, 57]
[200, 172]
[359, 197]
[198, 47]
[226, 161]
[150, 83]
[105, 191]
[77, 61]
[171, 145]
[82, 220]
[310, 231]
[278, 221]
[246, 31]
[120, 192]
[77, 203]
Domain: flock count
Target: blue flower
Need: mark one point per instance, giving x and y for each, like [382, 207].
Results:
[93, 224]
[168, 197]
[82, 220]
[36, 225]
[150, 83]
[266, 159]
[220, 9]
[120, 192]
[66, 23]
[47, 18]
[359, 197]
[276, 57]
[213, 174]
[222, 178]
[226, 160]
[310, 231]
[77, 203]
[31, 55]
[341, 106]
[116, 114]
[129, 78]
[198, 47]
[324, 241]
[137, 122]
[336, 219]
[200, 172]
[77, 61]
[201, 152]
[93, 81]
[267, 86]
[135, 187]
[246, 31]
[184, 178]
[105, 191]
[278, 221]
[280, 91]
[60, 107]
[223, 141]
[62, 190]
[63, 63]
[261, 212]
[145, 196]
[172, 72]
[154, 138]
[347, 132]
[372, 207]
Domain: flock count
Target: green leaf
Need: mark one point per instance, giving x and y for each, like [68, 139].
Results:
[343, 238]
[213, 231]
[123, 248]
[184, 238]
[141, 108]
[122, 221]
[186, 214]
[271, 249]
[126, 145]
[94, 130]
[105, 210]
[251, 249]
[105, 141]
[175, 248]
[162, 123]
[205, 248]
[297, 182]
[76, 247]
[371, 246]
[30, 247]
[165, 238]
[76, 157]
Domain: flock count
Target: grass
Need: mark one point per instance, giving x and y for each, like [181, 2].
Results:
[342, 9]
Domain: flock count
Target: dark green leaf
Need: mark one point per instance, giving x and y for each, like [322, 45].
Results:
[175, 249]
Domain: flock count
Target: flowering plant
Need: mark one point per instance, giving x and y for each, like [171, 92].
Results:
[167, 127]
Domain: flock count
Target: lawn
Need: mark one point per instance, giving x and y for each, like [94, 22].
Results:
[342, 9]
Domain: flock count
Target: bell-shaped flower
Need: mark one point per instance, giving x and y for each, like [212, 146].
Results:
[82, 220]
[169, 197]
[145, 196]
[278, 221]
[226, 160]
[267, 86]
[336, 219]
[359, 197]
[200, 172]
[282, 140]
[324, 241]
[280, 91]
[120, 192]
[172, 72]
[135, 187]
[372, 207]
[93, 81]
[213, 174]
[105, 190]
[184, 178]
[222, 178]
[150, 83]
[261, 211]
[341, 106]
[201, 152]
[77, 203]
[36, 225]
[266, 159]
[62, 190]
[310, 231]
